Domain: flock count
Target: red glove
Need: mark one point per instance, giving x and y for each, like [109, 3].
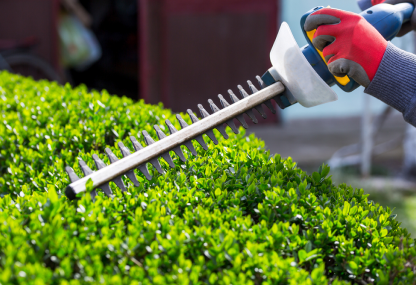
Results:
[350, 45]
[407, 27]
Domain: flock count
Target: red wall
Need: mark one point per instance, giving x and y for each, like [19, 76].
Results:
[192, 50]
[23, 18]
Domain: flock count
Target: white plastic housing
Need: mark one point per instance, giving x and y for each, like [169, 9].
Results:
[296, 73]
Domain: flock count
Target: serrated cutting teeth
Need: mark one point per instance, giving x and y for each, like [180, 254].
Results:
[87, 171]
[259, 108]
[143, 168]
[100, 165]
[268, 103]
[220, 127]
[173, 142]
[199, 138]
[188, 144]
[240, 118]
[230, 123]
[71, 173]
[209, 133]
[166, 156]
[184, 125]
[130, 174]
[177, 150]
[118, 181]
[249, 113]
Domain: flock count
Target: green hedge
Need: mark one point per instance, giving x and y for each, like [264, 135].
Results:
[233, 215]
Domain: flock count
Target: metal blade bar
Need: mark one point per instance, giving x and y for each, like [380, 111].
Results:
[130, 174]
[87, 171]
[259, 108]
[188, 144]
[177, 150]
[268, 103]
[119, 182]
[100, 164]
[143, 168]
[166, 156]
[120, 167]
[249, 112]
[209, 133]
[225, 104]
[220, 127]
[199, 139]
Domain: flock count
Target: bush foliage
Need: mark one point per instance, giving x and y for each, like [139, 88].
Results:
[233, 215]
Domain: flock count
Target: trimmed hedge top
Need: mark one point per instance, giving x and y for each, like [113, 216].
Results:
[233, 215]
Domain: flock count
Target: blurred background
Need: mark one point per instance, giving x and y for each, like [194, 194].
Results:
[182, 52]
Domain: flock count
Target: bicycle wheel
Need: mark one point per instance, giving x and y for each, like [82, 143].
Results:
[30, 65]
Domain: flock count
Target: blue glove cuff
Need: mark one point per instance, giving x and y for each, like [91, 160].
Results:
[364, 4]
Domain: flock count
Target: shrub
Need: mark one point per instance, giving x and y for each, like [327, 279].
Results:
[233, 215]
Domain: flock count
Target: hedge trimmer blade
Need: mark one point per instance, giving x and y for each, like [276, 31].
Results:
[160, 149]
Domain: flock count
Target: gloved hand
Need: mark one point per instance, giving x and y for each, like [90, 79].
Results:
[350, 45]
[407, 27]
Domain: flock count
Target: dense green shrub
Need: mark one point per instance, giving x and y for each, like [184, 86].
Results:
[234, 215]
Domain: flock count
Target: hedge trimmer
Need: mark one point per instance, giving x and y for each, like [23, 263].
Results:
[298, 75]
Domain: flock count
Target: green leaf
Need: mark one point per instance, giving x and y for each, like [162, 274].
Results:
[346, 209]
[387, 240]
[217, 192]
[308, 246]
[353, 266]
[316, 177]
[53, 197]
[325, 170]
[89, 185]
[353, 210]
[313, 256]
[208, 171]
[302, 255]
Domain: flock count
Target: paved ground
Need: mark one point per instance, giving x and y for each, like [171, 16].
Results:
[312, 142]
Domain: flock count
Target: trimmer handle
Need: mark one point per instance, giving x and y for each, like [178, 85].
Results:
[386, 18]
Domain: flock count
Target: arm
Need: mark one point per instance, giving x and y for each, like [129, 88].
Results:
[395, 82]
